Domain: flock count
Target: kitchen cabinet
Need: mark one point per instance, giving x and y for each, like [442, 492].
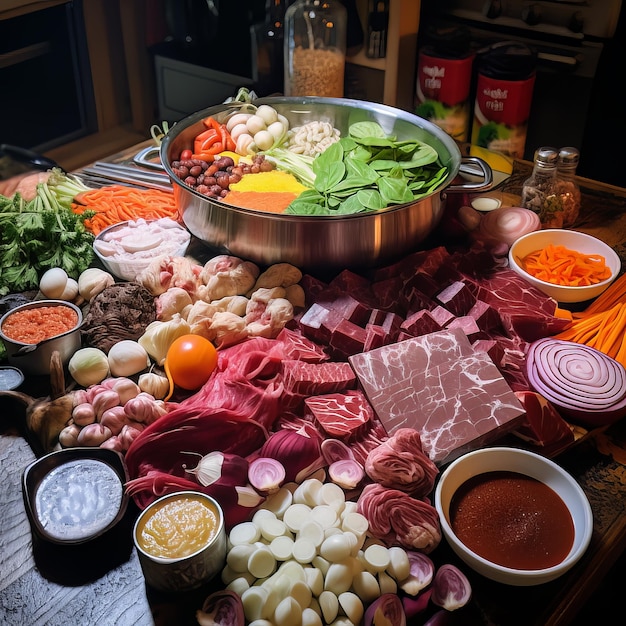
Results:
[389, 80]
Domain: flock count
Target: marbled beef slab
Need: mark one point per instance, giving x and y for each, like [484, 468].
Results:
[453, 396]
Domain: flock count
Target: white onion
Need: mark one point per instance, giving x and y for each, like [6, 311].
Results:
[507, 224]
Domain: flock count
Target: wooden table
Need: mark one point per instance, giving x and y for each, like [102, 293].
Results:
[103, 584]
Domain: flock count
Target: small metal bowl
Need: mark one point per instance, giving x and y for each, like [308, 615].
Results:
[95, 503]
[35, 358]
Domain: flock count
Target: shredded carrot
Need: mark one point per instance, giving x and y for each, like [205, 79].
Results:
[116, 203]
[559, 265]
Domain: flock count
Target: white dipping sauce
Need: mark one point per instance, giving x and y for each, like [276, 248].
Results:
[78, 499]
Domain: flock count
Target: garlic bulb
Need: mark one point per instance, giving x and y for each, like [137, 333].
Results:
[127, 357]
[155, 385]
[92, 281]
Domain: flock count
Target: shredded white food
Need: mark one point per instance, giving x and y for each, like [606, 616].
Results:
[312, 138]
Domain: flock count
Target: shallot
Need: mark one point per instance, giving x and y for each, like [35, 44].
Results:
[451, 589]
[217, 466]
[506, 224]
[222, 608]
[346, 473]
[385, 610]
[266, 475]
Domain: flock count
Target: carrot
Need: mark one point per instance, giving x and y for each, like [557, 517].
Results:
[559, 265]
[117, 203]
[615, 294]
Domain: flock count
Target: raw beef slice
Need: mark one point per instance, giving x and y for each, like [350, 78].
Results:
[341, 415]
[454, 397]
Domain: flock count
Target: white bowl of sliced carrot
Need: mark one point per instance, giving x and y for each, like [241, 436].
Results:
[567, 265]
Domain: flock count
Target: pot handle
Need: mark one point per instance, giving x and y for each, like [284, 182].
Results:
[478, 174]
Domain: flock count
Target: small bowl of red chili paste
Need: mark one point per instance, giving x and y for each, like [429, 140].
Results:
[514, 516]
[31, 332]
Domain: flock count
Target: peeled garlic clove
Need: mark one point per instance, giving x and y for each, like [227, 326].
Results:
[154, 384]
[93, 281]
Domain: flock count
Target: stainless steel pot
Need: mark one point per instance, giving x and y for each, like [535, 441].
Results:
[319, 244]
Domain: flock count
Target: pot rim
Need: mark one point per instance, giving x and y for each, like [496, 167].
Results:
[39, 304]
[453, 161]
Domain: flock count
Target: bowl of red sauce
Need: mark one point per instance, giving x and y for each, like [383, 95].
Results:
[513, 516]
[31, 333]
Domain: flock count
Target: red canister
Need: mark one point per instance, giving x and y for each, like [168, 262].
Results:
[504, 90]
[444, 75]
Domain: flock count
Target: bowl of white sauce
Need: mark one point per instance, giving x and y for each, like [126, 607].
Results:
[75, 495]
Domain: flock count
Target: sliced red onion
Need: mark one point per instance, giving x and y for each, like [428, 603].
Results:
[386, 609]
[346, 473]
[506, 224]
[222, 608]
[451, 590]
[266, 475]
[582, 382]
[422, 570]
[299, 451]
[335, 450]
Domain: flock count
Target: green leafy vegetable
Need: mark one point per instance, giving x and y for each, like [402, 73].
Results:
[42, 233]
[365, 171]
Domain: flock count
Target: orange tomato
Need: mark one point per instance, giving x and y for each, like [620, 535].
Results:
[190, 360]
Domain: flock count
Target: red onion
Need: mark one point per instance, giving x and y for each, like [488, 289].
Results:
[422, 570]
[222, 608]
[582, 382]
[266, 475]
[506, 224]
[346, 473]
[414, 605]
[335, 450]
[298, 450]
[386, 609]
[451, 590]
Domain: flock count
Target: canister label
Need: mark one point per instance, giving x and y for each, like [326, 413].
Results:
[442, 90]
[501, 112]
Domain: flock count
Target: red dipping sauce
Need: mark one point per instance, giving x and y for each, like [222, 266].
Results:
[512, 520]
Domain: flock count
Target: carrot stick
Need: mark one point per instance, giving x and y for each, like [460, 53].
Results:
[117, 203]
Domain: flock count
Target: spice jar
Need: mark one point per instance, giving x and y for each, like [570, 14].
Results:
[539, 193]
[315, 48]
[567, 187]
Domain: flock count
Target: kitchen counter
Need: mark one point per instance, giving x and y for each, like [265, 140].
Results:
[103, 584]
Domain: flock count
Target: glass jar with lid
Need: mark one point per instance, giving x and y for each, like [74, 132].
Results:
[539, 190]
[567, 187]
[315, 48]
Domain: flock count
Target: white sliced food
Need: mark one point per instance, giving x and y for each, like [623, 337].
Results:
[333, 495]
[377, 557]
[287, 613]
[311, 618]
[321, 564]
[262, 514]
[399, 564]
[261, 622]
[336, 548]
[301, 593]
[238, 586]
[272, 528]
[352, 606]
[261, 562]
[366, 586]
[339, 577]
[325, 515]
[238, 556]
[304, 550]
[314, 580]
[254, 601]
[387, 583]
[329, 603]
[356, 523]
[313, 531]
[279, 502]
[296, 515]
[245, 532]
[282, 547]
[140, 243]
[307, 492]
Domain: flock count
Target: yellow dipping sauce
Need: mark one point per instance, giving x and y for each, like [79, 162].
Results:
[177, 527]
